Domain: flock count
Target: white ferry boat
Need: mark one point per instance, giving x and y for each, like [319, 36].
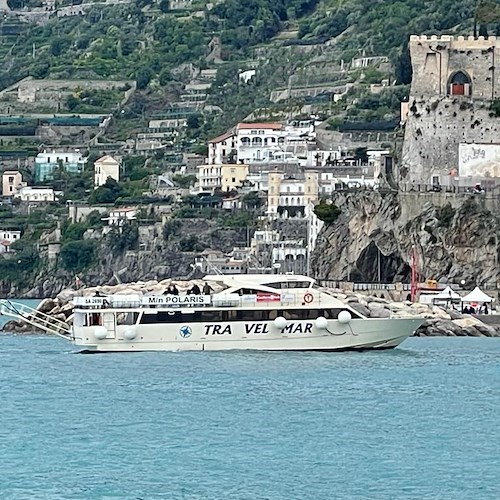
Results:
[260, 312]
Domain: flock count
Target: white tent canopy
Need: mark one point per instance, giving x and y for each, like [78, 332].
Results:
[477, 295]
[446, 294]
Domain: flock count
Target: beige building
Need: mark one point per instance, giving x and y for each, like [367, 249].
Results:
[225, 177]
[233, 176]
[106, 167]
[12, 182]
[289, 196]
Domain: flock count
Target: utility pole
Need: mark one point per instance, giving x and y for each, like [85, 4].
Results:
[378, 263]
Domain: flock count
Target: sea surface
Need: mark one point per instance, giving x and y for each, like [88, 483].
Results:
[419, 422]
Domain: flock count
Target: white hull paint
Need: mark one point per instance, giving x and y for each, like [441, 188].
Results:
[363, 333]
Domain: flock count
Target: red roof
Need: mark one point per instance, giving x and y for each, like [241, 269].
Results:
[5, 243]
[271, 126]
[223, 137]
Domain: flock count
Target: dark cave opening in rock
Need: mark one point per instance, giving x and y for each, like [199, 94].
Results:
[373, 266]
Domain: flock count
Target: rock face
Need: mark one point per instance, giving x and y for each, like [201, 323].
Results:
[455, 238]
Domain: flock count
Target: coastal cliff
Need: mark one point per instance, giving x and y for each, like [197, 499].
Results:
[455, 238]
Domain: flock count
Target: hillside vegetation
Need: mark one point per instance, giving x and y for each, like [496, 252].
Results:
[146, 41]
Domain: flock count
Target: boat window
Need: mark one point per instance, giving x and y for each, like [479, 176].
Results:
[94, 319]
[127, 318]
[240, 315]
[247, 291]
[289, 284]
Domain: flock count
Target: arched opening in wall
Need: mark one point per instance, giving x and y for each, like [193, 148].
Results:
[372, 264]
[460, 84]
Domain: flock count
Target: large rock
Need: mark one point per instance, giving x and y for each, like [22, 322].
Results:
[64, 296]
[360, 308]
[380, 312]
[46, 305]
[15, 326]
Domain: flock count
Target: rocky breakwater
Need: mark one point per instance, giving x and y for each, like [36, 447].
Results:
[439, 322]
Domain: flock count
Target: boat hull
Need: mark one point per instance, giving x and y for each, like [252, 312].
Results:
[361, 334]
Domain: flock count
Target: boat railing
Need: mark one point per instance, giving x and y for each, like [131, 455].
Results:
[309, 298]
[33, 317]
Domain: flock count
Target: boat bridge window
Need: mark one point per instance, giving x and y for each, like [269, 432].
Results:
[289, 284]
[93, 319]
[244, 315]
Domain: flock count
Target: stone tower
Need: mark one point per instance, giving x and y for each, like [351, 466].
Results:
[311, 188]
[454, 83]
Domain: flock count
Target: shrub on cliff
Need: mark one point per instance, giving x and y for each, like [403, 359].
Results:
[78, 255]
[445, 215]
[327, 212]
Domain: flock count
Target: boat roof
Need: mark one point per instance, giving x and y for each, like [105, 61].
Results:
[256, 279]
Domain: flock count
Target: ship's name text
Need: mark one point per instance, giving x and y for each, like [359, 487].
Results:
[258, 329]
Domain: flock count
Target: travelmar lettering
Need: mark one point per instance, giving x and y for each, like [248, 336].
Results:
[218, 330]
[298, 328]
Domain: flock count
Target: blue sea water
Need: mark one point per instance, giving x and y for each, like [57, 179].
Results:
[418, 422]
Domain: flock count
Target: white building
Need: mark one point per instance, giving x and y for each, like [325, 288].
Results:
[261, 143]
[106, 167]
[7, 238]
[36, 194]
[121, 216]
[47, 163]
[222, 148]
[253, 138]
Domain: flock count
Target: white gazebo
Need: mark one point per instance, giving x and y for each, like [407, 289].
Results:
[448, 295]
[478, 296]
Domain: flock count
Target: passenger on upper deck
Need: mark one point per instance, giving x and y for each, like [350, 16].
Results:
[194, 290]
[171, 290]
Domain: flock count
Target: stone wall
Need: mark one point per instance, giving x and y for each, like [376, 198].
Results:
[435, 128]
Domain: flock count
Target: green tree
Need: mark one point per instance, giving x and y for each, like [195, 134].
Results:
[124, 238]
[109, 192]
[94, 219]
[252, 200]
[327, 212]
[143, 77]
[165, 77]
[184, 181]
[165, 5]
[77, 255]
[72, 232]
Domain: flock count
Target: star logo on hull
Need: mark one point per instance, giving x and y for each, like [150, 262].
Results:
[185, 332]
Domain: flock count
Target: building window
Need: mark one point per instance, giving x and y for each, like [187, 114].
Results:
[11, 180]
[233, 179]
